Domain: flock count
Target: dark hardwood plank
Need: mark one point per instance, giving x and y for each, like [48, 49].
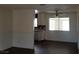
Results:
[55, 47]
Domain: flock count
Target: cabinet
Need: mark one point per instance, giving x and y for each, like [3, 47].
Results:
[39, 34]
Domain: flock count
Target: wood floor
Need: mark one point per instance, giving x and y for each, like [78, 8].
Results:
[45, 47]
[52, 47]
[17, 50]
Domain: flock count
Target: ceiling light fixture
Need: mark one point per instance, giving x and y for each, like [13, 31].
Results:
[36, 11]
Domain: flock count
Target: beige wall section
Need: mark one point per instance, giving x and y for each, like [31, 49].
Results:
[5, 28]
[23, 20]
[70, 36]
[23, 33]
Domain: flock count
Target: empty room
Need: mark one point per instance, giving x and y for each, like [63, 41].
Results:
[39, 28]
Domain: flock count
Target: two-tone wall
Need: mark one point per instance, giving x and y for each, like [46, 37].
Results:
[16, 28]
[23, 33]
[5, 28]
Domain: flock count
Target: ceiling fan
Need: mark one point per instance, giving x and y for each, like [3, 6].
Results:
[58, 11]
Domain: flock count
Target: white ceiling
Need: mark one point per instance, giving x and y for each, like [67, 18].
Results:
[44, 8]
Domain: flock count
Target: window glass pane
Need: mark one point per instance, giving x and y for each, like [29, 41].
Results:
[64, 24]
[52, 24]
[35, 22]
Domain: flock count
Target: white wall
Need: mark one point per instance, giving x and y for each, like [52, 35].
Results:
[70, 36]
[41, 19]
[23, 33]
[5, 28]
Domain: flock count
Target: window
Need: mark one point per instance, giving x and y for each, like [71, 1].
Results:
[36, 17]
[35, 22]
[59, 24]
